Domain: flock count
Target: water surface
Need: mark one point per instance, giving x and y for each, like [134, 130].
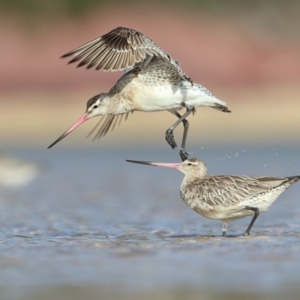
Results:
[92, 226]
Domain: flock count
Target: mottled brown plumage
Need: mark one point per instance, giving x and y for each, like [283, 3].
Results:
[227, 197]
[120, 49]
[153, 81]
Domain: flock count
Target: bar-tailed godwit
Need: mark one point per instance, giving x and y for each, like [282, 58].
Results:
[226, 197]
[152, 82]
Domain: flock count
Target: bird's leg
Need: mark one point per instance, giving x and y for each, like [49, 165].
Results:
[224, 228]
[183, 154]
[170, 135]
[256, 213]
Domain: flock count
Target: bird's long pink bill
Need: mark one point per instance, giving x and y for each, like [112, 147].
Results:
[73, 127]
[149, 163]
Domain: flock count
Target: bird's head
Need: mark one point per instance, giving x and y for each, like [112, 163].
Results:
[192, 167]
[96, 106]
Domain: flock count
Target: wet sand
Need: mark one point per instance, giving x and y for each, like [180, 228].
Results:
[95, 227]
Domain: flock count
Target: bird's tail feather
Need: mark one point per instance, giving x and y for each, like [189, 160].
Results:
[295, 177]
[222, 108]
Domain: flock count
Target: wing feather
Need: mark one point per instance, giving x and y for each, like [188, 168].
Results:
[120, 49]
[227, 190]
[105, 124]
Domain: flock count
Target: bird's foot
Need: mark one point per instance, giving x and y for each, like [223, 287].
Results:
[170, 138]
[183, 154]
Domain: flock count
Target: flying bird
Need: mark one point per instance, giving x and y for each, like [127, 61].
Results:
[152, 81]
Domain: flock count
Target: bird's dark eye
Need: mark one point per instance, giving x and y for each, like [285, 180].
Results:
[189, 164]
[95, 106]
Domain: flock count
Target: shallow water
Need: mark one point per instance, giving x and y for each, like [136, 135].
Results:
[92, 226]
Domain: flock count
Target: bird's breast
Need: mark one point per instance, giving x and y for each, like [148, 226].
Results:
[158, 96]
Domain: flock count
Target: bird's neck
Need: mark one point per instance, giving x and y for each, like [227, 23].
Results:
[117, 104]
[192, 178]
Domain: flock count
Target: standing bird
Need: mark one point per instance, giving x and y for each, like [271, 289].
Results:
[226, 197]
[152, 81]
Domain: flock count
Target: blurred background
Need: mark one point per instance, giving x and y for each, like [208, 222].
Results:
[78, 222]
[245, 52]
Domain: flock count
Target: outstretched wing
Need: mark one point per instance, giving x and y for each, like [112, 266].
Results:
[120, 49]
